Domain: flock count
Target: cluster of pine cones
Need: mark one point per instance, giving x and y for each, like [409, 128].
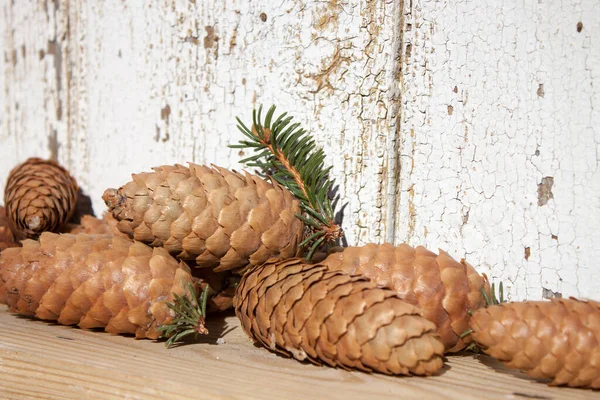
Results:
[382, 308]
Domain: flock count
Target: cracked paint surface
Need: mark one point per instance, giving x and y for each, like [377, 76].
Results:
[500, 148]
[149, 83]
[446, 125]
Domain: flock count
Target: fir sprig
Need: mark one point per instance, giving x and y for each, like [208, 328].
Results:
[190, 315]
[287, 152]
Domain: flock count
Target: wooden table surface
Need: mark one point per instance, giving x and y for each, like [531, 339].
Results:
[41, 360]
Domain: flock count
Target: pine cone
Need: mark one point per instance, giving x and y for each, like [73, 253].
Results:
[40, 196]
[558, 339]
[222, 219]
[312, 313]
[444, 289]
[7, 238]
[93, 281]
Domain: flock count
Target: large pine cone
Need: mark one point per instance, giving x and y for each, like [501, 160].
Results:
[7, 238]
[444, 289]
[558, 339]
[312, 313]
[40, 196]
[93, 281]
[222, 219]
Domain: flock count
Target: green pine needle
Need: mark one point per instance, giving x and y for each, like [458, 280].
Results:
[190, 315]
[494, 300]
[287, 153]
[466, 333]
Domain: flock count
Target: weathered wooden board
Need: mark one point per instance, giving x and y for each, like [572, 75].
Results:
[142, 84]
[471, 126]
[45, 361]
[500, 139]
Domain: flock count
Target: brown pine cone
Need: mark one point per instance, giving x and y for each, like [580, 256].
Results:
[557, 339]
[7, 238]
[40, 196]
[222, 219]
[444, 289]
[93, 281]
[312, 313]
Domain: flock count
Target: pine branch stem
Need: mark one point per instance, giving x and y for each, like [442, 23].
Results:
[285, 162]
[288, 154]
[295, 174]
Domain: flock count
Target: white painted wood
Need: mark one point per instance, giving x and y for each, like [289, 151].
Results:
[153, 83]
[112, 87]
[32, 82]
[500, 97]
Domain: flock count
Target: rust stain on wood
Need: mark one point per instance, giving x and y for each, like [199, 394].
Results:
[233, 40]
[544, 190]
[53, 145]
[210, 40]
[326, 17]
[53, 48]
[540, 90]
[329, 67]
[165, 115]
[412, 211]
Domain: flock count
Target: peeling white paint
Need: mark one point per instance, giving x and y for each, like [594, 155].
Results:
[150, 83]
[501, 97]
[123, 86]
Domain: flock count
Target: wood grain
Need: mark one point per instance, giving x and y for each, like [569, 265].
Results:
[46, 361]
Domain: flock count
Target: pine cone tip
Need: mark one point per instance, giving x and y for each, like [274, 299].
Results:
[112, 198]
[557, 339]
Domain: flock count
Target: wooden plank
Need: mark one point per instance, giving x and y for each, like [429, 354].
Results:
[41, 360]
[33, 82]
[499, 159]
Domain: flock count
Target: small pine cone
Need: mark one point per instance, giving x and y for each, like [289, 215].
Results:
[40, 196]
[93, 281]
[7, 238]
[309, 312]
[558, 339]
[444, 289]
[222, 219]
